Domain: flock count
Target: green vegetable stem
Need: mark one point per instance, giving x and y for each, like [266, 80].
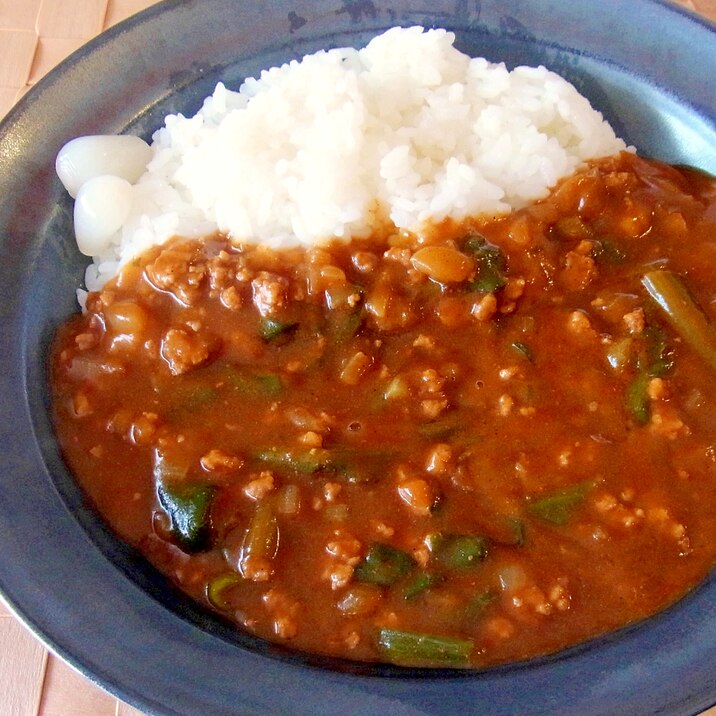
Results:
[689, 321]
[412, 647]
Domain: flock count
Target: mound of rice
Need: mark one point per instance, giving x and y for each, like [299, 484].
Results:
[408, 128]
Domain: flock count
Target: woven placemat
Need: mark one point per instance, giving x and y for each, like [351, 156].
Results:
[36, 35]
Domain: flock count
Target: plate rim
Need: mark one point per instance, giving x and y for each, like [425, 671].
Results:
[12, 119]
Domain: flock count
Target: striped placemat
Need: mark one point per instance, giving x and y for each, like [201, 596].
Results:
[35, 35]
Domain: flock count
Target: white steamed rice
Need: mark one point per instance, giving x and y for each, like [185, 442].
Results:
[407, 128]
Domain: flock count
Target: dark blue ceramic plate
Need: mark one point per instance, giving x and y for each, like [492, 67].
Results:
[648, 67]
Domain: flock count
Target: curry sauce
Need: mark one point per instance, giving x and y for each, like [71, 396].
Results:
[477, 445]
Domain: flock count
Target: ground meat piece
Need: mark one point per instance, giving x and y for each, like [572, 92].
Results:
[666, 421]
[432, 407]
[401, 256]
[144, 428]
[579, 324]
[311, 439]
[616, 513]
[423, 341]
[260, 486]
[345, 547]
[269, 291]
[657, 389]
[578, 272]
[256, 569]
[219, 461]
[431, 381]
[231, 298]
[284, 611]
[339, 575]
[331, 490]
[223, 268]
[439, 459]
[180, 271]
[364, 261]
[484, 308]
[344, 550]
[499, 628]
[635, 321]
[505, 404]
[533, 599]
[513, 290]
[183, 350]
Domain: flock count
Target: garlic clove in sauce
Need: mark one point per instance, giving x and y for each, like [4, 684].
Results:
[101, 207]
[84, 158]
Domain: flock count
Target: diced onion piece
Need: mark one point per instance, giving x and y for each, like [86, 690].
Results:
[443, 263]
[84, 158]
[102, 206]
[512, 577]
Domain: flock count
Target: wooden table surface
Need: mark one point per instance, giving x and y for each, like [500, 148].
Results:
[35, 35]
